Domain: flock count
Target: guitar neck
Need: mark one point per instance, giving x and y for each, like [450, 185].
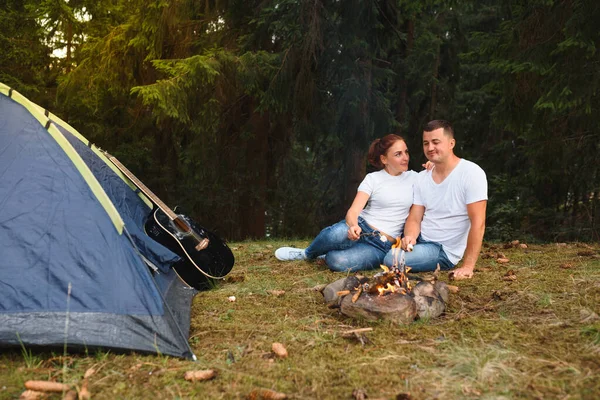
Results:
[143, 188]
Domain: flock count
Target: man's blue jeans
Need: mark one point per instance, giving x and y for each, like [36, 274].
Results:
[343, 254]
[425, 256]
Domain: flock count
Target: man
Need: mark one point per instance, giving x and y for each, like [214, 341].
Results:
[447, 219]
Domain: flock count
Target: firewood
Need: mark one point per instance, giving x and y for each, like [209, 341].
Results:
[70, 395]
[357, 294]
[280, 350]
[265, 394]
[343, 292]
[46, 386]
[202, 375]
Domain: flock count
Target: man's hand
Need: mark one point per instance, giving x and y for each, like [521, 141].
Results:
[428, 165]
[354, 232]
[461, 273]
[408, 242]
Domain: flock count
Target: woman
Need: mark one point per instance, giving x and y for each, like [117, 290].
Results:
[375, 218]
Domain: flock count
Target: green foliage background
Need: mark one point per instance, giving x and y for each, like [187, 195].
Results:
[255, 116]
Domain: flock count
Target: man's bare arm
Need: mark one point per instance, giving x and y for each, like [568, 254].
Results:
[412, 228]
[476, 213]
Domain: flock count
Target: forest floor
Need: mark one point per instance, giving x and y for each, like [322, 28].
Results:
[535, 336]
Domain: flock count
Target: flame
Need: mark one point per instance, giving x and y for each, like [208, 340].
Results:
[388, 288]
[384, 268]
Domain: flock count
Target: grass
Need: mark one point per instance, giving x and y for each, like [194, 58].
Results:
[537, 337]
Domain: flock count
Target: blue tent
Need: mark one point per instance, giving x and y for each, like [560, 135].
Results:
[76, 267]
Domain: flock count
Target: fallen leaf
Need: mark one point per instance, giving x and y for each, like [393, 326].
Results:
[202, 375]
[452, 288]
[509, 278]
[515, 243]
[84, 393]
[561, 245]
[523, 246]
[502, 260]
[89, 372]
[566, 266]
[265, 394]
[280, 350]
[276, 293]
[470, 391]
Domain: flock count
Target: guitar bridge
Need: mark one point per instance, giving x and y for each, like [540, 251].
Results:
[202, 244]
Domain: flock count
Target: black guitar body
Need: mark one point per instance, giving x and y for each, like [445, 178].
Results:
[200, 265]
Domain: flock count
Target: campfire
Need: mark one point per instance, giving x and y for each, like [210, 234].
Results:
[390, 280]
[389, 294]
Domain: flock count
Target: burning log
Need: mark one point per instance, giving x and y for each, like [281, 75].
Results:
[389, 295]
[398, 308]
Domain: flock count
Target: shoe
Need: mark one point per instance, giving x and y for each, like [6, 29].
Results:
[289, 254]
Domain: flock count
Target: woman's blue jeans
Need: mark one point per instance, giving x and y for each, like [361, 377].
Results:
[343, 254]
[425, 256]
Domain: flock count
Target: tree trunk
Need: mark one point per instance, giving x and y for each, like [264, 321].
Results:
[436, 70]
[403, 85]
[253, 201]
[69, 37]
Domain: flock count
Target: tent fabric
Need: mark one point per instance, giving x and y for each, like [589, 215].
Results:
[72, 248]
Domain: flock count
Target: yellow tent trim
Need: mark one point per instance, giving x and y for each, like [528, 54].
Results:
[99, 153]
[83, 169]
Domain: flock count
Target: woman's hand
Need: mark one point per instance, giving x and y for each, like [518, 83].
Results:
[354, 232]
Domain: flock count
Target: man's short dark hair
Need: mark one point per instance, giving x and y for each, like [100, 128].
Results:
[440, 123]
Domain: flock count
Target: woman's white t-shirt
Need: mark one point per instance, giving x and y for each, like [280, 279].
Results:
[390, 199]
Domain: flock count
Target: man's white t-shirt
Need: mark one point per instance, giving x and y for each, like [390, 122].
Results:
[390, 199]
[446, 220]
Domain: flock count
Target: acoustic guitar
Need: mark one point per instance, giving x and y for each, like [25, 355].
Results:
[205, 257]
